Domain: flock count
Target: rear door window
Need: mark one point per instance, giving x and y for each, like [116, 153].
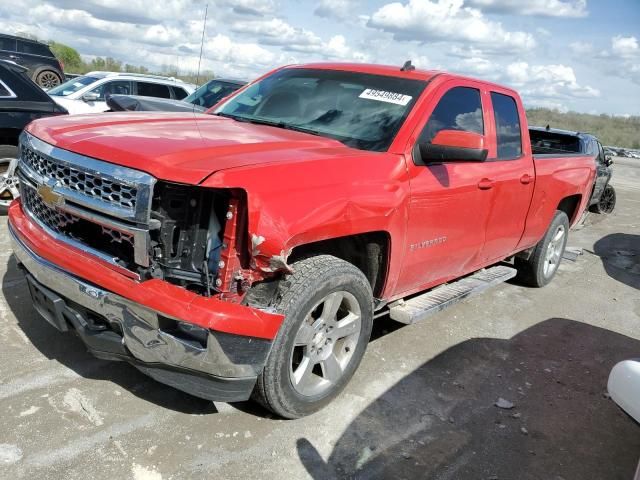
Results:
[458, 109]
[148, 89]
[8, 44]
[33, 48]
[179, 93]
[509, 136]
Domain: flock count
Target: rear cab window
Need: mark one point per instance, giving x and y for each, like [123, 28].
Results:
[460, 108]
[508, 131]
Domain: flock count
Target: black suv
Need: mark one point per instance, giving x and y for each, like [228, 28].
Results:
[21, 101]
[44, 68]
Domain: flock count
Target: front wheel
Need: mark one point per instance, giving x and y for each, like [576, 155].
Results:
[540, 268]
[8, 180]
[328, 308]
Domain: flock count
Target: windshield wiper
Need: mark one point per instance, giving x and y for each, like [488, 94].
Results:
[237, 118]
[270, 123]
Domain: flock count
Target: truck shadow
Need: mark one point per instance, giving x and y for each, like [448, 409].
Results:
[441, 421]
[620, 254]
[67, 349]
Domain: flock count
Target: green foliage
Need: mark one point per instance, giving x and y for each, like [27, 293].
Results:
[610, 130]
[67, 55]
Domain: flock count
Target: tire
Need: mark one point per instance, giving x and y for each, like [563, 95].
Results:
[296, 381]
[47, 79]
[607, 202]
[540, 268]
[8, 181]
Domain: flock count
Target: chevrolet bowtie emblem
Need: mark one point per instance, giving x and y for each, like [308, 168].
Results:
[49, 197]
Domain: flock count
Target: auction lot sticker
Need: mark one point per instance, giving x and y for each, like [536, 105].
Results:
[384, 96]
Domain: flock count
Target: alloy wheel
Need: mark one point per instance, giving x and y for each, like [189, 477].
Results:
[553, 254]
[607, 200]
[325, 343]
[48, 80]
[8, 182]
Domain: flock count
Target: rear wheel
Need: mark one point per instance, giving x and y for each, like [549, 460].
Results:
[8, 181]
[540, 268]
[328, 308]
[607, 201]
[48, 79]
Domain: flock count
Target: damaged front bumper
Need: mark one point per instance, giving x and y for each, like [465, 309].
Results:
[209, 364]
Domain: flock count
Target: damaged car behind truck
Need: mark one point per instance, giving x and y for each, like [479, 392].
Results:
[245, 253]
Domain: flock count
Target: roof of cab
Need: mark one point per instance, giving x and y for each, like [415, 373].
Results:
[395, 71]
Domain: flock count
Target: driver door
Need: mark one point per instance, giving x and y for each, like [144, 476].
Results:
[450, 201]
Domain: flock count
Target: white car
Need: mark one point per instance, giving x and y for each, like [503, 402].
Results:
[87, 94]
[624, 387]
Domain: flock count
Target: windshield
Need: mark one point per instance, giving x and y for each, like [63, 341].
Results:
[72, 86]
[361, 110]
[211, 93]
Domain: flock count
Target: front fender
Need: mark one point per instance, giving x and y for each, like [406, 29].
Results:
[292, 204]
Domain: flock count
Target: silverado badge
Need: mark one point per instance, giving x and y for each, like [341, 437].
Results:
[49, 197]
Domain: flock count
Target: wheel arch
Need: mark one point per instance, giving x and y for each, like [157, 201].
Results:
[570, 205]
[43, 68]
[369, 252]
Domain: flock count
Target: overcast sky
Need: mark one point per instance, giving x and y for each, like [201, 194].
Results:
[581, 55]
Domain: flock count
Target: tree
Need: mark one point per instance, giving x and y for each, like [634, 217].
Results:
[68, 56]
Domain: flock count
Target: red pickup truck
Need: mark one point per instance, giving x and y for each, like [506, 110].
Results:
[246, 252]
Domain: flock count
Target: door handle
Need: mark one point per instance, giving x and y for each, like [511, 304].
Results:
[526, 179]
[485, 184]
[13, 56]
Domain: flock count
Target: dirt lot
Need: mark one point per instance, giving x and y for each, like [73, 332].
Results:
[421, 405]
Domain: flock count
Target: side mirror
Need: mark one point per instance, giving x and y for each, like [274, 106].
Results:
[90, 97]
[453, 146]
[608, 160]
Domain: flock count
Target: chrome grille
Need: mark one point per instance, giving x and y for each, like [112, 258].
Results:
[54, 219]
[118, 236]
[83, 182]
[109, 242]
[81, 200]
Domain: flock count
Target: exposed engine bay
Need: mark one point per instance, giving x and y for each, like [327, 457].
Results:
[187, 235]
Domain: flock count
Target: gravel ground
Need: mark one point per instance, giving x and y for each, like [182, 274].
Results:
[422, 405]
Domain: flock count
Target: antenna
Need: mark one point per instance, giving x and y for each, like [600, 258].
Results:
[407, 67]
[204, 27]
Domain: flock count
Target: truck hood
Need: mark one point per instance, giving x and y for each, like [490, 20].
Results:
[181, 147]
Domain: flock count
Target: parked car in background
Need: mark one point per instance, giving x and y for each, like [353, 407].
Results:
[88, 93]
[247, 251]
[203, 98]
[44, 68]
[552, 141]
[21, 101]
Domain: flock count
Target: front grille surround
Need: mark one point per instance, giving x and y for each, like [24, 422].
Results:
[117, 191]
